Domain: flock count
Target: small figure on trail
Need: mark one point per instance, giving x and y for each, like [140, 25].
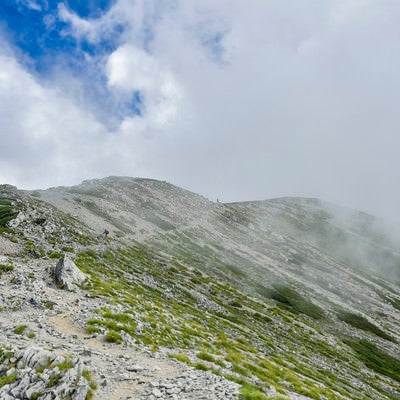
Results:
[105, 233]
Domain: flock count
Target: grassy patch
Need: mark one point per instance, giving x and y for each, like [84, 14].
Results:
[7, 213]
[88, 376]
[152, 300]
[376, 359]
[200, 366]
[360, 322]
[113, 337]
[54, 380]
[20, 329]
[180, 357]
[54, 254]
[49, 304]
[92, 329]
[65, 365]
[206, 357]
[292, 300]
[68, 249]
[5, 268]
[6, 380]
[251, 392]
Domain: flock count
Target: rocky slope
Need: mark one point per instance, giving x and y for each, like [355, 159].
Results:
[189, 299]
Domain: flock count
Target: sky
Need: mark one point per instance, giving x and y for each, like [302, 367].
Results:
[230, 99]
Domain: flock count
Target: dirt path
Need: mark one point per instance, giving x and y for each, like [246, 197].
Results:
[120, 371]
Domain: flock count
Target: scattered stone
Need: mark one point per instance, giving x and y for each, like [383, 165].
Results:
[135, 368]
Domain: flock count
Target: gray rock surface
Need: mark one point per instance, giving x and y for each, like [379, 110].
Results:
[192, 385]
[67, 275]
[42, 374]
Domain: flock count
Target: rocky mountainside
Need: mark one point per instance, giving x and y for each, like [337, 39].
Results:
[186, 298]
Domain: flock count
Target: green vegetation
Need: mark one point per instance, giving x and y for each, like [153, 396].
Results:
[92, 384]
[395, 302]
[68, 249]
[49, 304]
[54, 254]
[7, 379]
[33, 250]
[40, 221]
[65, 365]
[376, 359]
[54, 380]
[146, 304]
[251, 392]
[113, 337]
[92, 329]
[293, 301]
[8, 211]
[206, 357]
[360, 322]
[200, 366]
[180, 357]
[20, 329]
[88, 376]
[195, 302]
[5, 268]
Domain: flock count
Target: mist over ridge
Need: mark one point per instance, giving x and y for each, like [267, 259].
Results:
[260, 296]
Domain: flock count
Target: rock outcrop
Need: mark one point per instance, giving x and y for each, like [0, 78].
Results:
[67, 275]
[34, 373]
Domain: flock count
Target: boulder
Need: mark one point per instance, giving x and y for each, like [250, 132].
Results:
[67, 274]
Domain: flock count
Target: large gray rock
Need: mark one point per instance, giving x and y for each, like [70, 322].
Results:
[67, 274]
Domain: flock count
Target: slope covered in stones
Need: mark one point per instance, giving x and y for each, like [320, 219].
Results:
[287, 298]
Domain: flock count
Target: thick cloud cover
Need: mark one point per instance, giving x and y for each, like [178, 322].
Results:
[236, 100]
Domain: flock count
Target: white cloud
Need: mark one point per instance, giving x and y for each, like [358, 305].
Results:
[41, 132]
[48, 140]
[31, 4]
[130, 69]
[79, 26]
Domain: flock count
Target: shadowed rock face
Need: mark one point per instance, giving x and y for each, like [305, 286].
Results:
[67, 275]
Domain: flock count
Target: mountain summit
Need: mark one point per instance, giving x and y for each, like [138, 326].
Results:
[185, 298]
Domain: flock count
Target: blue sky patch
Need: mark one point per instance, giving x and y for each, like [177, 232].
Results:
[43, 46]
[89, 9]
[38, 33]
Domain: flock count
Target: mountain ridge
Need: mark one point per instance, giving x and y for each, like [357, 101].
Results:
[244, 274]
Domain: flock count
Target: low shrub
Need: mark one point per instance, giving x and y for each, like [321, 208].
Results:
[360, 322]
[292, 300]
[5, 268]
[113, 337]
